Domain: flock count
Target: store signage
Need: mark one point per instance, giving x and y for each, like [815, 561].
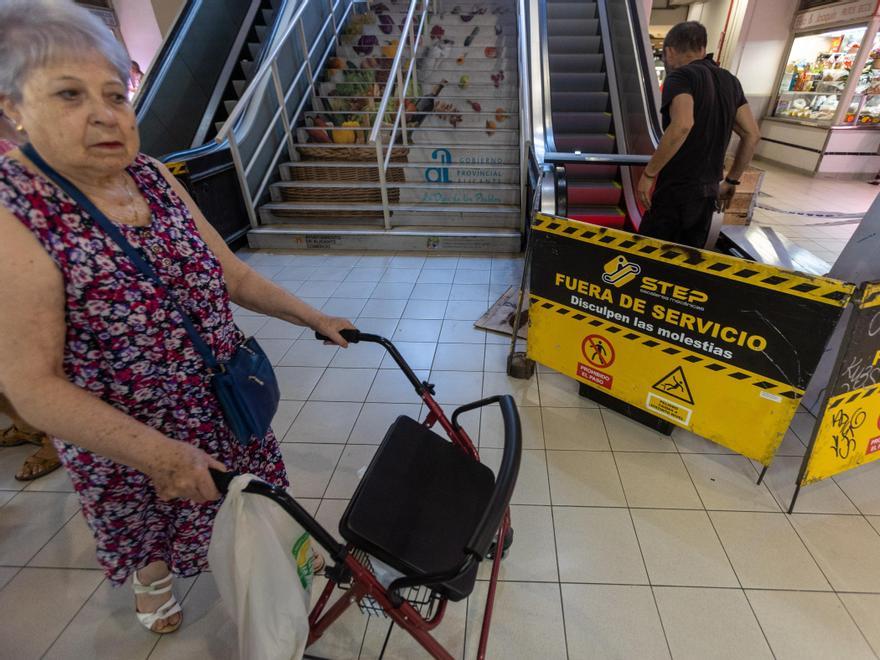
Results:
[720, 346]
[847, 433]
[835, 14]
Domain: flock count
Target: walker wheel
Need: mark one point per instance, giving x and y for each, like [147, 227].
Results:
[508, 541]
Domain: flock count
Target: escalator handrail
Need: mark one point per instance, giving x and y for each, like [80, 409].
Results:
[572, 158]
[650, 85]
[263, 71]
[212, 145]
[549, 139]
[165, 57]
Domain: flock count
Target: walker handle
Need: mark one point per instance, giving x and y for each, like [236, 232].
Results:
[349, 335]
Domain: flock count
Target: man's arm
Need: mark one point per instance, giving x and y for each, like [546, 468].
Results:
[749, 134]
[681, 121]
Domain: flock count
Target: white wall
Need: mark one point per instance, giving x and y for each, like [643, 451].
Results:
[137, 23]
[663, 19]
[166, 12]
[761, 48]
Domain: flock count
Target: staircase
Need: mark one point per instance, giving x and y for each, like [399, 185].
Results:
[580, 106]
[453, 181]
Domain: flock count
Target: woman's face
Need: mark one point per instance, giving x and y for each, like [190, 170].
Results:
[78, 117]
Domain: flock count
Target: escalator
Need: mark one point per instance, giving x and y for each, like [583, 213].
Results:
[600, 113]
[212, 53]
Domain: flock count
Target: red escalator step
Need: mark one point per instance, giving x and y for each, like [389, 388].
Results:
[593, 193]
[607, 216]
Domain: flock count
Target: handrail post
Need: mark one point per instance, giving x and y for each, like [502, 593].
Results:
[401, 92]
[309, 73]
[383, 186]
[412, 53]
[285, 120]
[335, 27]
[242, 181]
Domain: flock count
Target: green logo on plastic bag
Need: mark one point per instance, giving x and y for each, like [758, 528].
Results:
[302, 554]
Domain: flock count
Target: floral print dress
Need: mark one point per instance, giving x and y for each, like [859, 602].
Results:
[126, 345]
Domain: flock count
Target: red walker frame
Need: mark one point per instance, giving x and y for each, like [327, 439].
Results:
[361, 581]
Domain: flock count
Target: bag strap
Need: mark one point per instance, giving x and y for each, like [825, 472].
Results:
[133, 254]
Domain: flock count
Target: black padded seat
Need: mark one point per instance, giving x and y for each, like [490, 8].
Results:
[418, 505]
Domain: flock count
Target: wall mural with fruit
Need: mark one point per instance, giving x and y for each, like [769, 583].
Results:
[461, 116]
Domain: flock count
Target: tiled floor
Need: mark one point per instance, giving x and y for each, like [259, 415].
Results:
[832, 207]
[628, 544]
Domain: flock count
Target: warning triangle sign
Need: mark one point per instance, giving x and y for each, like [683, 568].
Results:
[675, 385]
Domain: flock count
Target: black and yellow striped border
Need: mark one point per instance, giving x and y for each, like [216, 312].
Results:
[870, 296]
[178, 168]
[820, 289]
[689, 357]
[850, 397]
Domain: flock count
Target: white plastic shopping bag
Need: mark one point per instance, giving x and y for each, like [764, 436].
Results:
[261, 560]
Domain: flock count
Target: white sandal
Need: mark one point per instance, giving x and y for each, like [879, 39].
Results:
[170, 608]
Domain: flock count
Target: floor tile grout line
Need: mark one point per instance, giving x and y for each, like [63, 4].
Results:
[724, 549]
[552, 520]
[632, 522]
[75, 614]
[827, 579]
[875, 651]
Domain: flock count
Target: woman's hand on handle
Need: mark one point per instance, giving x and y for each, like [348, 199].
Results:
[182, 472]
[329, 326]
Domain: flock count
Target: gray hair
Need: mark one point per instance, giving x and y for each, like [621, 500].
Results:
[36, 32]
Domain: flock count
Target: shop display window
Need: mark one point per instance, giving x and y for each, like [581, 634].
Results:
[817, 71]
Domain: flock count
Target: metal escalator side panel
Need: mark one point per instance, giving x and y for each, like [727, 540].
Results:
[187, 79]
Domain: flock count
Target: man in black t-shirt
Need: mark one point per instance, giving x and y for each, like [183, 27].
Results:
[702, 104]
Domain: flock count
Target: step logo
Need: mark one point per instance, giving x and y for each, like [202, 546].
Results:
[439, 174]
[619, 271]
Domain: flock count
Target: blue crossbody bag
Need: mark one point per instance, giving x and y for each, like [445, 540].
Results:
[245, 385]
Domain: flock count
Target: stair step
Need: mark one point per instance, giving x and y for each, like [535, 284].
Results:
[473, 60]
[335, 236]
[428, 77]
[572, 10]
[579, 101]
[574, 45]
[436, 194]
[583, 63]
[574, 27]
[367, 165]
[584, 122]
[417, 208]
[596, 143]
[334, 185]
[268, 16]
[254, 49]
[594, 193]
[433, 172]
[411, 215]
[504, 90]
[229, 105]
[579, 82]
[261, 31]
[247, 68]
[456, 33]
[445, 18]
[239, 86]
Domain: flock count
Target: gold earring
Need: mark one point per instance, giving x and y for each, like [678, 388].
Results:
[19, 128]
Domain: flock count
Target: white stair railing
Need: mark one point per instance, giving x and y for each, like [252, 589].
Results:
[399, 82]
[260, 92]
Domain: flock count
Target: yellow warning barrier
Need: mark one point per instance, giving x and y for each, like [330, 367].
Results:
[847, 433]
[711, 343]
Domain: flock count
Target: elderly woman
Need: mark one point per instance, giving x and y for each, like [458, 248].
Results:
[90, 350]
